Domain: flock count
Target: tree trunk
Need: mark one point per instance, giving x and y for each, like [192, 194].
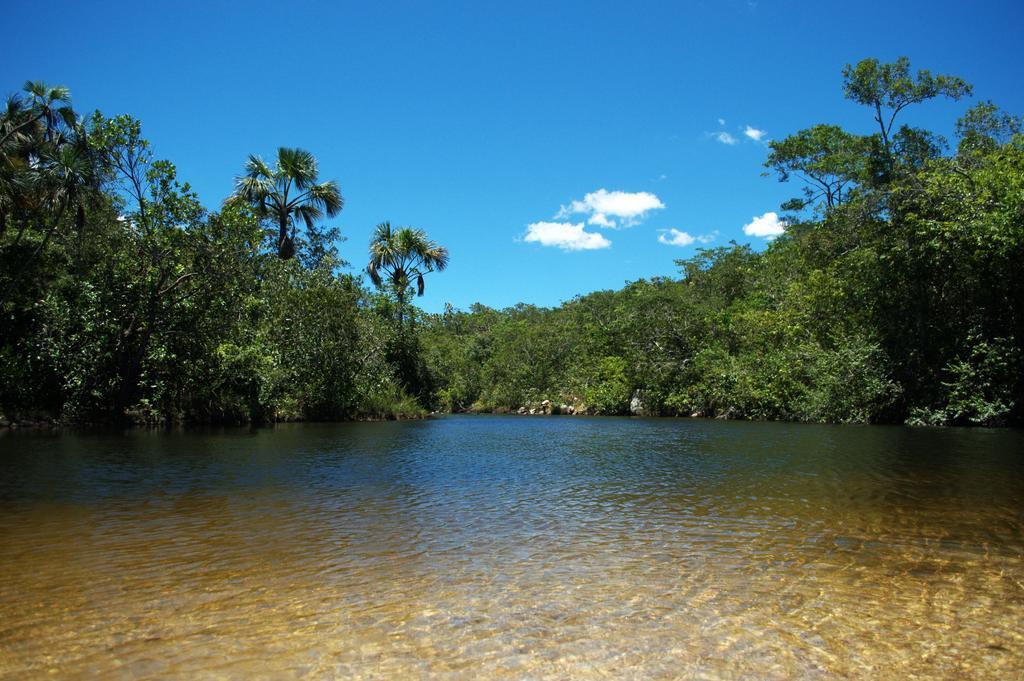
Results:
[285, 243]
[400, 297]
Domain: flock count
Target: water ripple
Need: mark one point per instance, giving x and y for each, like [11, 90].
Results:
[514, 548]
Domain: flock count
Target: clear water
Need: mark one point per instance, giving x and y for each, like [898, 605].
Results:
[514, 547]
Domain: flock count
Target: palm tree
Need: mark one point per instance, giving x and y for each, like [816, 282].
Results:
[73, 176]
[287, 193]
[40, 115]
[47, 170]
[53, 107]
[399, 257]
[30, 124]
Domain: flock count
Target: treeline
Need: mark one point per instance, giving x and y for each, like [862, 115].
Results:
[895, 295]
[123, 300]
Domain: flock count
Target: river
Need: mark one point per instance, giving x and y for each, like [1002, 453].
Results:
[497, 547]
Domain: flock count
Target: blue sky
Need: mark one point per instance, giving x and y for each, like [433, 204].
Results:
[476, 120]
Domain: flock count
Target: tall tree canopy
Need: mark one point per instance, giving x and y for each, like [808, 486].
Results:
[49, 173]
[826, 158]
[400, 258]
[897, 299]
[287, 194]
[888, 89]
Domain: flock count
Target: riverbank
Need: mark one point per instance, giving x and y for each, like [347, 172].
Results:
[37, 422]
[560, 410]
[547, 408]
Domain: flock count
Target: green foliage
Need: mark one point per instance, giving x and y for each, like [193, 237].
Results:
[287, 194]
[604, 386]
[848, 384]
[899, 298]
[400, 259]
[984, 128]
[981, 387]
[147, 308]
[829, 161]
[890, 88]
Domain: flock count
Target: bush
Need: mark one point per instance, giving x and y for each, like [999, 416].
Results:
[980, 389]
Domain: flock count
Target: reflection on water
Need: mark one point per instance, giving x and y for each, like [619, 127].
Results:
[490, 547]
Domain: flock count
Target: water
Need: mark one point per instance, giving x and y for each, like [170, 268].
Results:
[514, 547]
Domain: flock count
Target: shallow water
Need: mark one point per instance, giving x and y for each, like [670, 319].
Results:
[514, 547]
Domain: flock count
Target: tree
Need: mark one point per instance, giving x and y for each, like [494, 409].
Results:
[287, 193]
[401, 257]
[162, 260]
[30, 126]
[890, 88]
[984, 128]
[827, 158]
[43, 114]
[48, 171]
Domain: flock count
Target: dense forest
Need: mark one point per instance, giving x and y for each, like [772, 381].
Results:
[895, 295]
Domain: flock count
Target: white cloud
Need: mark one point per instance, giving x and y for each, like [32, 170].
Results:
[605, 207]
[721, 121]
[724, 138]
[565, 235]
[754, 133]
[676, 237]
[768, 226]
[601, 220]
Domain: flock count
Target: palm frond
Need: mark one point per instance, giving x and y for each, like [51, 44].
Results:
[328, 196]
[308, 212]
[382, 232]
[288, 191]
[371, 269]
[436, 257]
[298, 165]
[404, 254]
[307, 217]
[257, 167]
[253, 188]
[67, 116]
